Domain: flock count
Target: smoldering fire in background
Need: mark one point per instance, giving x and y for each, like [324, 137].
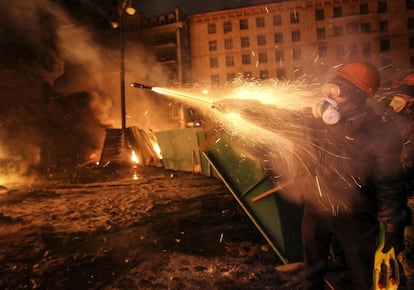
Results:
[60, 84]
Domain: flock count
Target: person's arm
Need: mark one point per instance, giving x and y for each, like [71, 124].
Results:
[391, 196]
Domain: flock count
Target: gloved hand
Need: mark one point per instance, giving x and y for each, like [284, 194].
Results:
[395, 240]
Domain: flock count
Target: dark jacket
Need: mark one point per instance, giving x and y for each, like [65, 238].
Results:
[357, 170]
[405, 123]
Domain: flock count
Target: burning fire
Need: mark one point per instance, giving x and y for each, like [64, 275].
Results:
[157, 150]
[134, 157]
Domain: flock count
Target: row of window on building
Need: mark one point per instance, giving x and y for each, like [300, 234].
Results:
[278, 37]
[280, 73]
[296, 54]
[294, 17]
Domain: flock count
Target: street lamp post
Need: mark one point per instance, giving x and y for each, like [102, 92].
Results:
[125, 8]
[122, 65]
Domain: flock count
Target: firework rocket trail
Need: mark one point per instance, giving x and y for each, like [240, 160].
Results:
[269, 115]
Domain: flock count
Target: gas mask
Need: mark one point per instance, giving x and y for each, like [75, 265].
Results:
[331, 111]
[328, 109]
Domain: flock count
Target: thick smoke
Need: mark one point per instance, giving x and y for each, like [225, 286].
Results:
[61, 86]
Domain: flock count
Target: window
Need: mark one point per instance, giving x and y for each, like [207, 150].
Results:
[337, 11]
[244, 42]
[382, 7]
[230, 76]
[352, 28]
[214, 79]
[295, 36]
[279, 55]
[260, 22]
[212, 45]
[338, 30]
[278, 37]
[281, 73]
[261, 40]
[294, 17]
[363, 8]
[244, 24]
[319, 14]
[296, 53]
[277, 20]
[385, 45]
[227, 26]
[211, 28]
[383, 26]
[365, 27]
[264, 74]
[366, 48]
[262, 57]
[229, 61]
[213, 62]
[228, 43]
[321, 33]
[246, 59]
[410, 23]
[322, 51]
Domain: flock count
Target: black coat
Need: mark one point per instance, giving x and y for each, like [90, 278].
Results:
[356, 169]
[405, 123]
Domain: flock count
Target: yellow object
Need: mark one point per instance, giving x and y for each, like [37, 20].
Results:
[398, 103]
[386, 273]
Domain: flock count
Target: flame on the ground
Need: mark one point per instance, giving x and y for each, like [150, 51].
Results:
[134, 157]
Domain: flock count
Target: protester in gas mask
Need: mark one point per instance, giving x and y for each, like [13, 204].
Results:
[357, 179]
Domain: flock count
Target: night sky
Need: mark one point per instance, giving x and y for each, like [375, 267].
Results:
[158, 7]
[95, 11]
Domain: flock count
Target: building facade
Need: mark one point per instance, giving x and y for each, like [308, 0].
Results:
[167, 37]
[290, 39]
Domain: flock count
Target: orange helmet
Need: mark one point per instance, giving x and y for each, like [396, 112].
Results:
[407, 79]
[363, 75]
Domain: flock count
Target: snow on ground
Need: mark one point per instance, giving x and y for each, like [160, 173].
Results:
[148, 229]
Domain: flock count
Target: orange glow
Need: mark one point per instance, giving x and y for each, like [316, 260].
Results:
[157, 149]
[134, 157]
[187, 96]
